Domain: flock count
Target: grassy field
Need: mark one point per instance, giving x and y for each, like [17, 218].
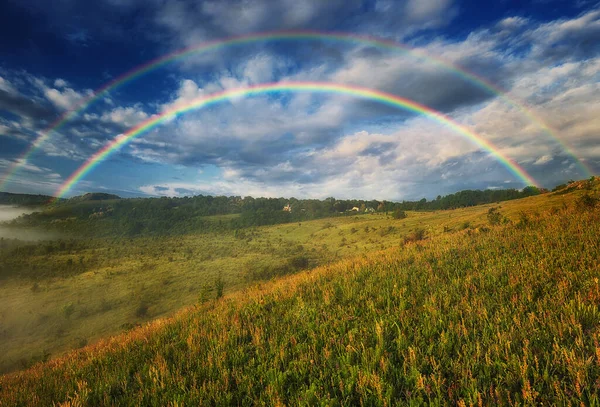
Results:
[473, 313]
[62, 295]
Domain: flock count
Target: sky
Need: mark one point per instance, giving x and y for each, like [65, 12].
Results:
[543, 54]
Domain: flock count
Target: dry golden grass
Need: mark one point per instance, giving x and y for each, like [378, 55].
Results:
[492, 315]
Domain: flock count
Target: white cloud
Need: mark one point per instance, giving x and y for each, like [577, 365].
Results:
[126, 116]
[60, 83]
[543, 160]
[511, 24]
[6, 86]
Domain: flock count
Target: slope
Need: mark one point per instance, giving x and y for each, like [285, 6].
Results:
[497, 315]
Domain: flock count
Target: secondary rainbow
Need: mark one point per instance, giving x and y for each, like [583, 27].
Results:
[280, 36]
[313, 87]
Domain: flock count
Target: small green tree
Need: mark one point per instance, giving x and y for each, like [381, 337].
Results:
[399, 214]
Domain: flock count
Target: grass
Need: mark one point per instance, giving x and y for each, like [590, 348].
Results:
[488, 315]
[504, 314]
[58, 296]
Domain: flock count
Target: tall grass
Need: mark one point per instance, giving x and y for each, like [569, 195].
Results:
[506, 315]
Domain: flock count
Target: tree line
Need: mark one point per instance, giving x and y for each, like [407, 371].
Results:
[204, 213]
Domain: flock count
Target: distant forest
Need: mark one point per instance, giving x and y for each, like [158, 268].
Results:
[91, 214]
[6, 198]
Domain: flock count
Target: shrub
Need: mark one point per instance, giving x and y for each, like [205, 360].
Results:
[399, 214]
[559, 187]
[298, 262]
[494, 217]
[587, 202]
[416, 235]
[142, 310]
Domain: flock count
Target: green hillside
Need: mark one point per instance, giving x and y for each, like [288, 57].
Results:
[488, 305]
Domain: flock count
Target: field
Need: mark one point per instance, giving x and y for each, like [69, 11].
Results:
[440, 307]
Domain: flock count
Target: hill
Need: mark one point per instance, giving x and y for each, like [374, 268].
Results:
[94, 196]
[503, 313]
[7, 198]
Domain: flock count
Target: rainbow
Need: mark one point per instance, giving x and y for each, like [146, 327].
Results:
[280, 36]
[314, 87]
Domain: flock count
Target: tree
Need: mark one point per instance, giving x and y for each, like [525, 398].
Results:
[399, 214]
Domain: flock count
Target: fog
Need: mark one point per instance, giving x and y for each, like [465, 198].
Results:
[8, 213]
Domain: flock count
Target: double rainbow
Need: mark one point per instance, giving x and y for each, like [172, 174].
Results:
[270, 88]
[278, 36]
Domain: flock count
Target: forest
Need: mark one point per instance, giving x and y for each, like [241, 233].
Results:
[108, 215]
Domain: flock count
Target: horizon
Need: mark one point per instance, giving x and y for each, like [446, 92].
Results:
[434, 196]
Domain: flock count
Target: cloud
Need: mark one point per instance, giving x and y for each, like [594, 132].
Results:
[64, 98]
[511, 24]
[23, 106]
[303, 144]
[30, 168]
[566, 38]
[6, 86]
[543, 160]
[236, 17]
[60, 83]
[125, 116]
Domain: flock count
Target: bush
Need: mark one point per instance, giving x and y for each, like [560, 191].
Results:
[587, 202]
[418, 234]
[399, 214]
[494, 217]
[298, 262]
[559, 187]
[142, 310]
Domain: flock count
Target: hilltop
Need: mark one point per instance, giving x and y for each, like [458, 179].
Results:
[93, 196]
[7, 198]
[503, 311]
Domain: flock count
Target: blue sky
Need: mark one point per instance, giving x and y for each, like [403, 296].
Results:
[543, 53]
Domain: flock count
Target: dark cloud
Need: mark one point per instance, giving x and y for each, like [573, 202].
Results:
[26, 106]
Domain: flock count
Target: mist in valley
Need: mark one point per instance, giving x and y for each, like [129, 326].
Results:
[8, 213]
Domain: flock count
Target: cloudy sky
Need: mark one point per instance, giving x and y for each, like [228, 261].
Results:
[544, 54]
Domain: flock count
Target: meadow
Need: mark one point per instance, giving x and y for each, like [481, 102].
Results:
[447, 307]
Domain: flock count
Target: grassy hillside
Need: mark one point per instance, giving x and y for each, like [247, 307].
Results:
[472, 314]
[63, 294]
